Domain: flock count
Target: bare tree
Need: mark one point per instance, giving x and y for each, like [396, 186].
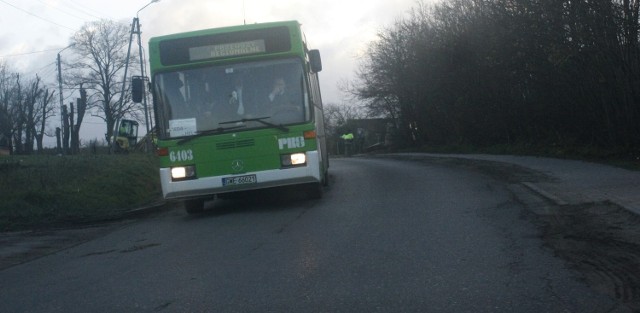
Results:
[23, 111]
[338, 115]
[496, 72]
[31, 113]
[16, 109]
[6, 117]
[101, 48]
[45, 110]
[392, 79]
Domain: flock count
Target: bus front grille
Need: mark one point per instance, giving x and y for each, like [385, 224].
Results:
[235, 144]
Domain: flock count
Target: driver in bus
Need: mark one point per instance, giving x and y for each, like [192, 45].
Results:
[277, 96]
[281, 99]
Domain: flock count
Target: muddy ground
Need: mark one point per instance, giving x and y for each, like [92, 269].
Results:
[599, 240]
[21, 247]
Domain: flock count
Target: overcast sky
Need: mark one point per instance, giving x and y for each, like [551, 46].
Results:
[340, 29]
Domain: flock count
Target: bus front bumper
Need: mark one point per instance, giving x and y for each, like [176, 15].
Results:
[209, 186]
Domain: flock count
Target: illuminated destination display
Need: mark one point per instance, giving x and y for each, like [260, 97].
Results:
[227, 50]
[218, 46]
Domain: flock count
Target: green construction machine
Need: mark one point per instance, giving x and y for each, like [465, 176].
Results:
[126, 137]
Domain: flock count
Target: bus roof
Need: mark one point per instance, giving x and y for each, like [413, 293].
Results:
[226, 29]
[242, 42]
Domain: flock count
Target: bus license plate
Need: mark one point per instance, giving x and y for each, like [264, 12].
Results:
[239, 180]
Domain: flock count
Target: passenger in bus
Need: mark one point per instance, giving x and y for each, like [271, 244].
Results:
[204, 104]
[236, 101]
[241, 100]
[173, 95]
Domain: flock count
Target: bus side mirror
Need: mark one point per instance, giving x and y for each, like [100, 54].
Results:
[137, 88]
[316, 62]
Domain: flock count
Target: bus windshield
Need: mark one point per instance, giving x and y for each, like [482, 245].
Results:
[239, 96]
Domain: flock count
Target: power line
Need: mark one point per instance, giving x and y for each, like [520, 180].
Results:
[81, 8]
[50, 70]
[63, 11]
[36, 16]
[28, 53]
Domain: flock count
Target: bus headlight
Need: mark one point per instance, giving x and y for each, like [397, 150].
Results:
[295, 159]
[183, 172]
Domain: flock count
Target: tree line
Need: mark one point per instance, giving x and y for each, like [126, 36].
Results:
[25, 107]
[496, 72]
[94, 69]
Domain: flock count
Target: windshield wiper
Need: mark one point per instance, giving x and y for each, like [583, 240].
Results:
[209, 132]
[260, 120]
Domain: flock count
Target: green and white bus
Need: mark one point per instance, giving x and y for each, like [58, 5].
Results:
[237, 108]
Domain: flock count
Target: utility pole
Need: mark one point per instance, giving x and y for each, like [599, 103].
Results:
[124, 84]
[62, 110]
[144, 94]
[135, 29]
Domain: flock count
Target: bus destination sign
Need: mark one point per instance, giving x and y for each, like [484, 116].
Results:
[227, 50]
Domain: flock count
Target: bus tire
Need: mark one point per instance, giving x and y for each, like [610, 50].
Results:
[194, 206]
[325, 179]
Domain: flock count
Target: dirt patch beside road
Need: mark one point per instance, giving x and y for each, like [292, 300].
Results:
[22, 247]
[506, 172]
[602, 242]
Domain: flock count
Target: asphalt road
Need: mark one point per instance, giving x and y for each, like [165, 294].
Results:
[388, 236]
